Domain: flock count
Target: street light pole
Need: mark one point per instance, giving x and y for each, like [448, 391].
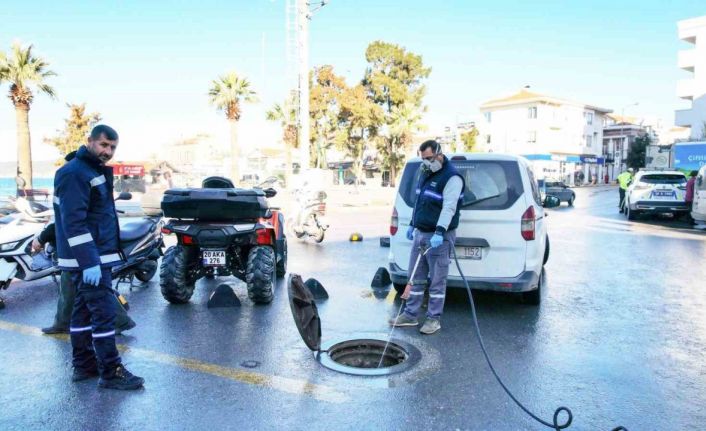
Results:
[304, 14]
[303, 17]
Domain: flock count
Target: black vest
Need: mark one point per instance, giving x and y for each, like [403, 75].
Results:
[430, 198]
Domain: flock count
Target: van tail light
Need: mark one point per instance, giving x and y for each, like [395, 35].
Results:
[187, 239]
[394, 222]
[263, 237]
[166, 231]
[527, 225]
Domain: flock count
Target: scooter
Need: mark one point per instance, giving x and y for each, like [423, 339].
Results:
[309, 212]
[140, 241]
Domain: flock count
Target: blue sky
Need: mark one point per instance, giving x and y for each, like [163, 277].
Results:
[146, 65]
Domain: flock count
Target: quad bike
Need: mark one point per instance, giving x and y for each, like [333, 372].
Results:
[222, 230]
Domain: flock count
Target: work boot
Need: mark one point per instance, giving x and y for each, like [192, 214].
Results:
[80, 375]
[122, 379]
[403, 320]
[126, 327]
[55, 329]
[430, 326]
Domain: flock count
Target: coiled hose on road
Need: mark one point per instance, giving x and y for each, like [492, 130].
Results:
[555, 425]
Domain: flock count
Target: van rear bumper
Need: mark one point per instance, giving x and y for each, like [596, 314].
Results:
[525, 282]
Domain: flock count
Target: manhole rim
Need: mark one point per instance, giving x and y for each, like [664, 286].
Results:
[414, 356]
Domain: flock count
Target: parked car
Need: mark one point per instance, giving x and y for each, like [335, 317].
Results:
[559, 189]
[656, 192]
[502, 242]
[698, 211]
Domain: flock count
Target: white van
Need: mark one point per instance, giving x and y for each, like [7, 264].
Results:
[501, 241]
[698, 211]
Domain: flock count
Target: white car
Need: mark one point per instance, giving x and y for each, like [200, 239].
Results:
[501, 241]
[698, 211]
[656, 192]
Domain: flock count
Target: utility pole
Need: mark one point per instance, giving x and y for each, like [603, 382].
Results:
[303, 17]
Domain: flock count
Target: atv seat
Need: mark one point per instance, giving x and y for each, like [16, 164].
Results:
[135, 229]
[217, 183]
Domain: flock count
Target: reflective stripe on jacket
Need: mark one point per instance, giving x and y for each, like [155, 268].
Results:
[86, 224]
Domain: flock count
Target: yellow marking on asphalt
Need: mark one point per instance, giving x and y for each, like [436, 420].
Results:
[283, 384]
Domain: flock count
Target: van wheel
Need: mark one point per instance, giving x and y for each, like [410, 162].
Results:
[260, 274]
[533, 297]
[571, 200]
[174, 278]
[546, 252]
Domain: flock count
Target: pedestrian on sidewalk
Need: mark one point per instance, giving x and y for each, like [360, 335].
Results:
[624, 180]
[67, 293]
[689, 196]
[434, 222]
[88, 245]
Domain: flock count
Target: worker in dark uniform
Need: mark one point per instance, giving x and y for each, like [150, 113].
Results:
[67, 293]
[88, 245]
[434, 222]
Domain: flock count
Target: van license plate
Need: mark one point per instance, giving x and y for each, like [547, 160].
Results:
[214, 257]
[473, 253]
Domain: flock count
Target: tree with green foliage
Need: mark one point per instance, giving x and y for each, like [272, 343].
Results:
[393, 81]
[637, 152]
[286, 114]
[326, 89]
[468, 139]
[76, 130]
[23, 70]
[358, 122]
[227, 93]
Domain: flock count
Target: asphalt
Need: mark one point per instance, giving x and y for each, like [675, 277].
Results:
[620, 339]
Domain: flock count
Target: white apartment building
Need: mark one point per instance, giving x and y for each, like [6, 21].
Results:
[563, 139]
[693, 60]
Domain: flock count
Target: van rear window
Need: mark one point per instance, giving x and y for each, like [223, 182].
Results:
[497, 182]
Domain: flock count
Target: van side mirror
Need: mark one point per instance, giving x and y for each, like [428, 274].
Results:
[124, 196]
[270, 193]
[551, 202]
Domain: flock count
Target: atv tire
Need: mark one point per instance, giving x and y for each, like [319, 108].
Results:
[282, 263]
[176, 282]
[147, 270]
[260, 274]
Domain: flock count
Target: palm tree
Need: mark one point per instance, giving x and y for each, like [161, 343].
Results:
[287, 118]
[226, 93]
[23, 70]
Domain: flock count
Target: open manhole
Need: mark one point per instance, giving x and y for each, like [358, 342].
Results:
[369, 356]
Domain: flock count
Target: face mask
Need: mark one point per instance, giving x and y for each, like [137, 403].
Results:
[435, 166]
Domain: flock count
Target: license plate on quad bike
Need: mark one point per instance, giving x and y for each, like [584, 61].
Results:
[214, 257]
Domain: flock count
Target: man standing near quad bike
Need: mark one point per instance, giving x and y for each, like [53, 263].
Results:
[88, 245]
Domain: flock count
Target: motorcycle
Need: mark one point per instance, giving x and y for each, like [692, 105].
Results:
[140, 241]
[309, 212]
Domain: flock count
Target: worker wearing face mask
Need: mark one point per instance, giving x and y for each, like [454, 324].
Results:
[434, 222]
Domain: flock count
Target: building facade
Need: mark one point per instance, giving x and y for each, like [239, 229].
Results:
[563, 139]
[693, 89]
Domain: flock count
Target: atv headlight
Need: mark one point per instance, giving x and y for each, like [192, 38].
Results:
[8, 246]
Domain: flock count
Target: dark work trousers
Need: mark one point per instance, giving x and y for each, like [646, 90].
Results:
[622, 197]
[432, 271]
[65, 304]
[93, 325]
